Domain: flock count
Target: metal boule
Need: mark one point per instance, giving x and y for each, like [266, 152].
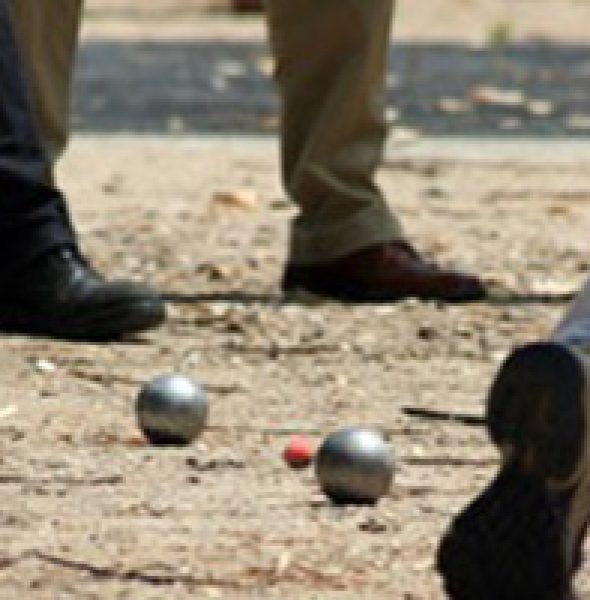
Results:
[172, 410]
[354, 466]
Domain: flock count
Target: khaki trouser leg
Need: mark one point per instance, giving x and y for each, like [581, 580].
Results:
[331, 63]
[47, 32]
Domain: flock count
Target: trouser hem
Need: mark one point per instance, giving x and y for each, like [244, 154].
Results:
[376, 225]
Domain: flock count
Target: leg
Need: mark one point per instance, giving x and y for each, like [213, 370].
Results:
[46, 287]
[47, 33]
[521, 538]
[332, 124]
[35, 216]
[345, 243]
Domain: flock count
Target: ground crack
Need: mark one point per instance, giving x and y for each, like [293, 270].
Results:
[112, 573]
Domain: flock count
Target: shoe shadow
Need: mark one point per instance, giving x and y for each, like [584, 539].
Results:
[229, 296]
[508, 297]
[495, 297]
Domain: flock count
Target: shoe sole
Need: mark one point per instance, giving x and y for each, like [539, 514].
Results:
[508, 543]
[536, 407]
[109, 324]
[352, 296]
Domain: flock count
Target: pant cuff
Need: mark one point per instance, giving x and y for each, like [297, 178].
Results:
[371, 226]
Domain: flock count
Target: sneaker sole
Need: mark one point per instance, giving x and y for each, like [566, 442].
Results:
[508, 543]
[536, 407]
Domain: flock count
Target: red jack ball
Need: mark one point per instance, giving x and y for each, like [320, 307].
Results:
[298, 453]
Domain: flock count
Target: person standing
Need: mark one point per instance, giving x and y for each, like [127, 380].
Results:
[46, 286]
[330, 69]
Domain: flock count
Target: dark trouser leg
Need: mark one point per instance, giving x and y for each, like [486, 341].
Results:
[33, 216]
[47, 34]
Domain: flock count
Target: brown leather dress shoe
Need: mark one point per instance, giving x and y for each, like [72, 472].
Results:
[382, 273]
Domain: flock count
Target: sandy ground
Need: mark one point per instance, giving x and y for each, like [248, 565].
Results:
[89, 511]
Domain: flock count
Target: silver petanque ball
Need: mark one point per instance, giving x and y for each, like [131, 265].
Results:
[172, 410]
[354, 466]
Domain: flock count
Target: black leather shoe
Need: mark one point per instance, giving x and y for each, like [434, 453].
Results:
[61, 296]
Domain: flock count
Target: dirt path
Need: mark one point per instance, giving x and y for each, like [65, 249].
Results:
[90, 512]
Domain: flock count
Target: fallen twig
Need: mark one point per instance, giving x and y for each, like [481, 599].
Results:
[129, 575]
[452, 461]
[443, 415]
[61, 480]
[313, 431]
[110, 378]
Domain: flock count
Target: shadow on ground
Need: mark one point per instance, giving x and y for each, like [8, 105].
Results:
[189, 86]
[495, 298]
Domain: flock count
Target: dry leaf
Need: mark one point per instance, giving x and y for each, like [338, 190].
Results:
[244, 198]
[266, 65]
[487, 95]
[452, 106]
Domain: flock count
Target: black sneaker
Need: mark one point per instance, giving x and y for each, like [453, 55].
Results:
[521, 538]
[61, 296]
